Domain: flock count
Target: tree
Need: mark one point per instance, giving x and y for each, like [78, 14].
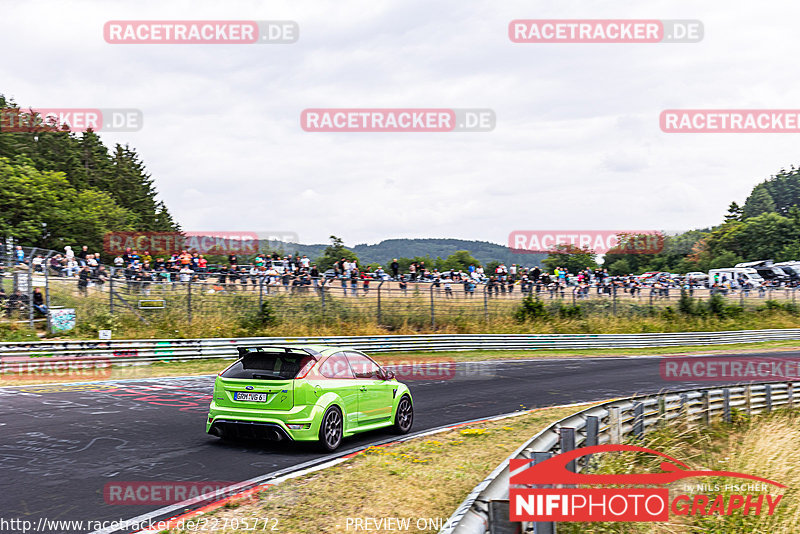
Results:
[30, 198]
[734, 212]
[759, 201]
[460, 260]
[85, 162]
[571, 258]
[619, 267]
[333, 253]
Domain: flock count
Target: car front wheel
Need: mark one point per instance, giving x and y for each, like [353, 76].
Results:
[404, 417]
[330, 431]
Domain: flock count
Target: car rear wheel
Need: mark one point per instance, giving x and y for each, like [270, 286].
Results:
[330, 431]
[404, 417]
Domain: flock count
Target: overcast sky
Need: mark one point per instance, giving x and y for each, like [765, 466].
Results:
[577, 143]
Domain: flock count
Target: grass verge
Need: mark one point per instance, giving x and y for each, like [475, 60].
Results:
[421, 479]
[204, 367]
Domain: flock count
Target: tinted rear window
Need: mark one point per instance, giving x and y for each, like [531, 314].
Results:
[268, 366]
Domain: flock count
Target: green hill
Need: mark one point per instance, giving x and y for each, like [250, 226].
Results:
[384, 251]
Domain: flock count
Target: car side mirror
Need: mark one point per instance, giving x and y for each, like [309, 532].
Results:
[388, 375]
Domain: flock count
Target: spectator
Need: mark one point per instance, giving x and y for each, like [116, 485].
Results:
[38, 301]
[82, 255]
[101, 276]
[19, 255]
[395, 268]
[72, 267]
[83, 280]
[37, 263]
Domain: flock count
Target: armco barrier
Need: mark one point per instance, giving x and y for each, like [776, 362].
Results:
[186, 349]
[485, 510]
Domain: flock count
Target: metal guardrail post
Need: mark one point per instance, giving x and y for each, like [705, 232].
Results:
[543, 527]
[566, 440]
[662, 410]
[614, 425]
[726, 405]
[705, 416]
[498, 510]
[111, 294]
[768, 397]
[790, 395]
[748, 400]
[592, 430]
[684, 408]
[638, 419]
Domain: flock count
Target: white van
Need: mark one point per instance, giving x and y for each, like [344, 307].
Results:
[734, 276]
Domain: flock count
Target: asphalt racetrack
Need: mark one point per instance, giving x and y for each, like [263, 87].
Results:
[61, 444]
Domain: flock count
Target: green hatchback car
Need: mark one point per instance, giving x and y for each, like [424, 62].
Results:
[309, 393]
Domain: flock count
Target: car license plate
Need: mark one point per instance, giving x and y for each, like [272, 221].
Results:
[247, 396]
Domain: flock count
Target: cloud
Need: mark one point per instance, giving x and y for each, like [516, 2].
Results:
[577, 142]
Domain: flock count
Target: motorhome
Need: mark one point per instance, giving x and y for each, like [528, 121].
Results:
[766, 269]
[734, 276]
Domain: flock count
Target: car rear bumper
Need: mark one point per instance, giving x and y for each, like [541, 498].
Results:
[249, 430]
[262, 424]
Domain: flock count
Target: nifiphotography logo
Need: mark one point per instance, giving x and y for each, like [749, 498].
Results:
[627, 504]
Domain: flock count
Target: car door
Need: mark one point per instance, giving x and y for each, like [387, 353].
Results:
[375, 395]
[339, 379]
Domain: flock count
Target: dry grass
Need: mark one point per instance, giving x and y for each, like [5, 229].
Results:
[234, 315]
[425, 478]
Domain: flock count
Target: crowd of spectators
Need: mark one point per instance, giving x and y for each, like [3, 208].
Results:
[299, 273]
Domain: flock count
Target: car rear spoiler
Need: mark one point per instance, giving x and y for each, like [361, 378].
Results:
[243, 351]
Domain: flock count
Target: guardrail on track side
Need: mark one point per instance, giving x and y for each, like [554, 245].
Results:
[186, 349]
[485, 510]
[153, 350]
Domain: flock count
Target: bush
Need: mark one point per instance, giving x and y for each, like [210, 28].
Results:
[530, 309]
[687, 305]
[570, 311]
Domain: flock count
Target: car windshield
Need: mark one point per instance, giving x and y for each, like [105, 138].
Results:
[268, 366]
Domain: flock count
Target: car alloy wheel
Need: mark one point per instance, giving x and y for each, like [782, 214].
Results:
[405, 416]
[330, 431]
